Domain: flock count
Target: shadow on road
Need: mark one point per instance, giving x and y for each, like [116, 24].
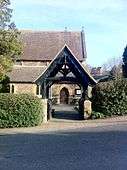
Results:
[68, 115]
[98, 149]
[66, 112]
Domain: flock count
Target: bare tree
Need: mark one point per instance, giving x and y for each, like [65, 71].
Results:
[113, 66]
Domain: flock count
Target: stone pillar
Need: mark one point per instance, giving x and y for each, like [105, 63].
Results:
[87, 109]
[45, 109]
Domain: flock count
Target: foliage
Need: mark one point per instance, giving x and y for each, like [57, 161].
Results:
[125, 55]
[125, 62]
[110, 98]
[20, 110]
[97, 115]
[4, 85]
[10, 46]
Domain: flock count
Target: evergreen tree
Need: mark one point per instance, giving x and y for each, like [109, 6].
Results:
[10, 46]
[125, 62]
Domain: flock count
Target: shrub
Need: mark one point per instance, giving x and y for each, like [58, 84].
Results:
[4, 85]
[20, 110]
[110, 98]
[97, 115]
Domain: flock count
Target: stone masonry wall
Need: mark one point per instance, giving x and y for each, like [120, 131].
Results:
[25, 88]
[56, 88]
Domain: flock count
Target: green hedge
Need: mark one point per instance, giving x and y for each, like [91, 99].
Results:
[97, 115]
[110, 98]
[20, 110]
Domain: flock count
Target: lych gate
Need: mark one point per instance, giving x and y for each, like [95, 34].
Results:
[65, 68]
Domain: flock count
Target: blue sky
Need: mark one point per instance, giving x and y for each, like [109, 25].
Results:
[104, 21]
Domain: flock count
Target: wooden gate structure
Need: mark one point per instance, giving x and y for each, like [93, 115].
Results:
[65, 68]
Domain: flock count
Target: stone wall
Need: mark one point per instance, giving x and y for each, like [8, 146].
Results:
[24, 88]
[35, 63]
[32, 63]
[56, 88]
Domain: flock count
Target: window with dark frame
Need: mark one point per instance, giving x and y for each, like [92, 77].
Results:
[12, 89]
[37, 90]
[40, 90]
[78, 91]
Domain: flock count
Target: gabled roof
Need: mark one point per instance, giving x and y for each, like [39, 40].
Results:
[81, 74]
[44, 45]
[27, 74]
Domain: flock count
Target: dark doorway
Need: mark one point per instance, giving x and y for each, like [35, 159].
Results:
[64, 96]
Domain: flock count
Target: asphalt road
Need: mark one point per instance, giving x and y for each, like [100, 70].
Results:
[101, 148]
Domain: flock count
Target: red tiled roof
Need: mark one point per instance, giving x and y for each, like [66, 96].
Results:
[44, 45]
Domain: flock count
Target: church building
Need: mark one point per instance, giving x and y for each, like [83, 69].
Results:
[52, 65]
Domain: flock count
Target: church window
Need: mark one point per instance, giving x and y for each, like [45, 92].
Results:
[37, 90]
[12, 89]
